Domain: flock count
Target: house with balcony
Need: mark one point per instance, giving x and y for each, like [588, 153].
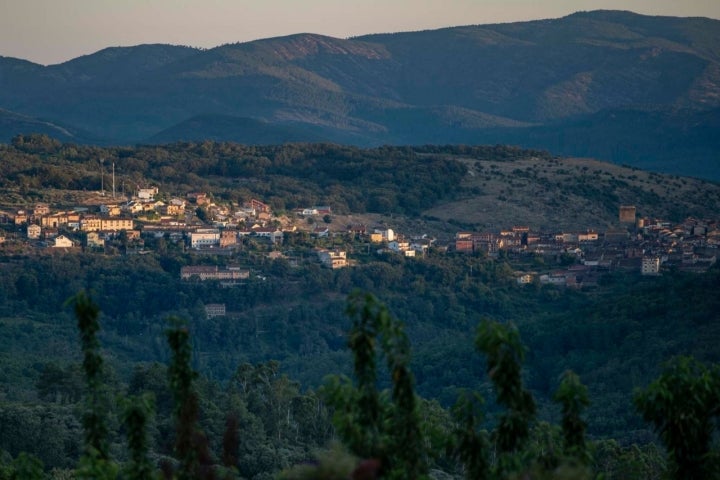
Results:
[90, 224]
[333, 258]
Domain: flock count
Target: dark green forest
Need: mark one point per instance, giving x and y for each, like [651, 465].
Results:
[290, 332]
[259, 422]
[385, 179]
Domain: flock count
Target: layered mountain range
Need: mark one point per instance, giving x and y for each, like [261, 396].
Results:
[628, 88]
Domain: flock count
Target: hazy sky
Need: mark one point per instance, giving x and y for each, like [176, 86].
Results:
[52, 31]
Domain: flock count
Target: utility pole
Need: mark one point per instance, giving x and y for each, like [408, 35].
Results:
[102, 178]
[113, 177]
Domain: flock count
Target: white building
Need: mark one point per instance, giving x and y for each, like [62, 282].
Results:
[62, 242]
[650, 266]
[403, 247]
[205, 237]
[147, 194]
[387, 235]
[275, 235]
[333, 258]
[33, 232]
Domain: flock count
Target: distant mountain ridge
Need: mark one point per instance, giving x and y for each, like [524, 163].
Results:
[614, 85]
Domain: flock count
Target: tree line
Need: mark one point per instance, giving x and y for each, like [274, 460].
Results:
[175, 424]
[350, 179]
[614, 336]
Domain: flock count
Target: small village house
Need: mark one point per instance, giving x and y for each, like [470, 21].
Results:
[94, 240]
[21, 217]
[147, 194]
[61, 241]
[333, 258]
[228, 238]
[110, 210]
[41, 209]
[33, 232]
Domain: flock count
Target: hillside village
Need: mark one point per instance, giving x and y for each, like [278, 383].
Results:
[197, 225]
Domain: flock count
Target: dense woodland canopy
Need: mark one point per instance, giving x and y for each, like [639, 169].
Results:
[385, 179]
[260, 422]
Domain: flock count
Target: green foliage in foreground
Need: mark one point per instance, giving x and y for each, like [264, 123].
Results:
[95, 462]
[684, 406]
[136, 413]
[371, 424]
[573, 396]
[190, 443]
[502, 453]
[386, 433]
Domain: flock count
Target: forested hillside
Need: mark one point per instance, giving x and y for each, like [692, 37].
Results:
[459, 186]
[280, 422]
